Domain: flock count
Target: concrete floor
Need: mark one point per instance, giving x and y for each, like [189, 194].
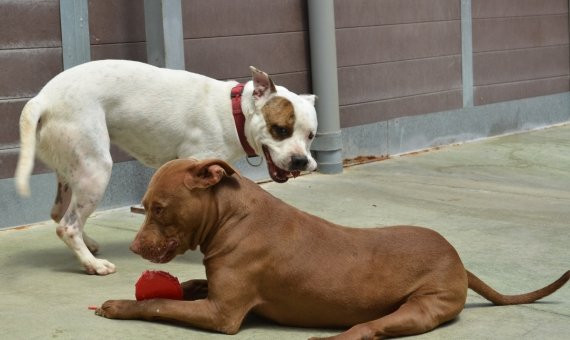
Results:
[504, 203]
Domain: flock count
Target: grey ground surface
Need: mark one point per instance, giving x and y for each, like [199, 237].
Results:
[504, 203]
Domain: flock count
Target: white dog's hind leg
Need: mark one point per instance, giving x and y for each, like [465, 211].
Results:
[62, 200]
[88, 185]
[60, 206]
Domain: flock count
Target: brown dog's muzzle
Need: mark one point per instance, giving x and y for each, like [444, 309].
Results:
[159, 250]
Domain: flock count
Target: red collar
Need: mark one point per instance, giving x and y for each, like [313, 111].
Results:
[239, 119]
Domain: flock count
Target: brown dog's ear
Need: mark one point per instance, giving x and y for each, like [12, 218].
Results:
[262, 85]
[207, 173]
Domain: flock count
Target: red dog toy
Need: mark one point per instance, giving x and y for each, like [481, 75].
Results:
[156, 284]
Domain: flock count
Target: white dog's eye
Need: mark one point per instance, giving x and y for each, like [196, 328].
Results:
[311, 136]
[280, 132]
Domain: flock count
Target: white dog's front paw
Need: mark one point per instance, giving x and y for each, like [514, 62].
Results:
[100, 267]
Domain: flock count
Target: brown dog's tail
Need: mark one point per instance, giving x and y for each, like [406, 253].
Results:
[496, 298]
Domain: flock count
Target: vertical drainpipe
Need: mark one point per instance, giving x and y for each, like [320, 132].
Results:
[327, 146]
[164, 33]
[467, 53]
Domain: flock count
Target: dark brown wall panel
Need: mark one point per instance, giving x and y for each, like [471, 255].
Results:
[519, 32]
[366, 113]
[366, 45]
[9, 120]
[9, 159]
[26, 71]
[230, 57]
[357, 13]
[404, 78]
[217, 18]
[510, 91]
[298, 82]
[123, 20]
[515, 65]
[510, 8]
[130, 51]
[521, 49]
[397, 58]
[116, 21]
[29, 24]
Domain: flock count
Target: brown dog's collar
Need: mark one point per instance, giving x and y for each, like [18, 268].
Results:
[239, 119]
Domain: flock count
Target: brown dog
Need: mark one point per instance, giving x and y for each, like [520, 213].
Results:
[264, 256]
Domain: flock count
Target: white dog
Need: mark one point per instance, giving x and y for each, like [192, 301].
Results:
[156, 115]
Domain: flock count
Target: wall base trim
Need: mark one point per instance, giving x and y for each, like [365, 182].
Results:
[406, 134]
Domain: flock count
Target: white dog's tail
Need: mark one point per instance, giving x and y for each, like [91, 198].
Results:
[28, 125]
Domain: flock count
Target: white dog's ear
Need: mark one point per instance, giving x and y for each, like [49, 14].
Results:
[311, 98]
[262, 85]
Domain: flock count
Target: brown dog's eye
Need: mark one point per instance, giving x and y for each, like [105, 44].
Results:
[280, 131]
[311, 136]
[157, 210]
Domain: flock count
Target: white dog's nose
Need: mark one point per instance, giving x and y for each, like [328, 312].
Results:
[298, 162]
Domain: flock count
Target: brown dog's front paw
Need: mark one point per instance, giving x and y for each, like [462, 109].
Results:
[195, 289]
[117, 309]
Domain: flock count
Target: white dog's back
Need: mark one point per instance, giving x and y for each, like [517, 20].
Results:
[135, 99]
